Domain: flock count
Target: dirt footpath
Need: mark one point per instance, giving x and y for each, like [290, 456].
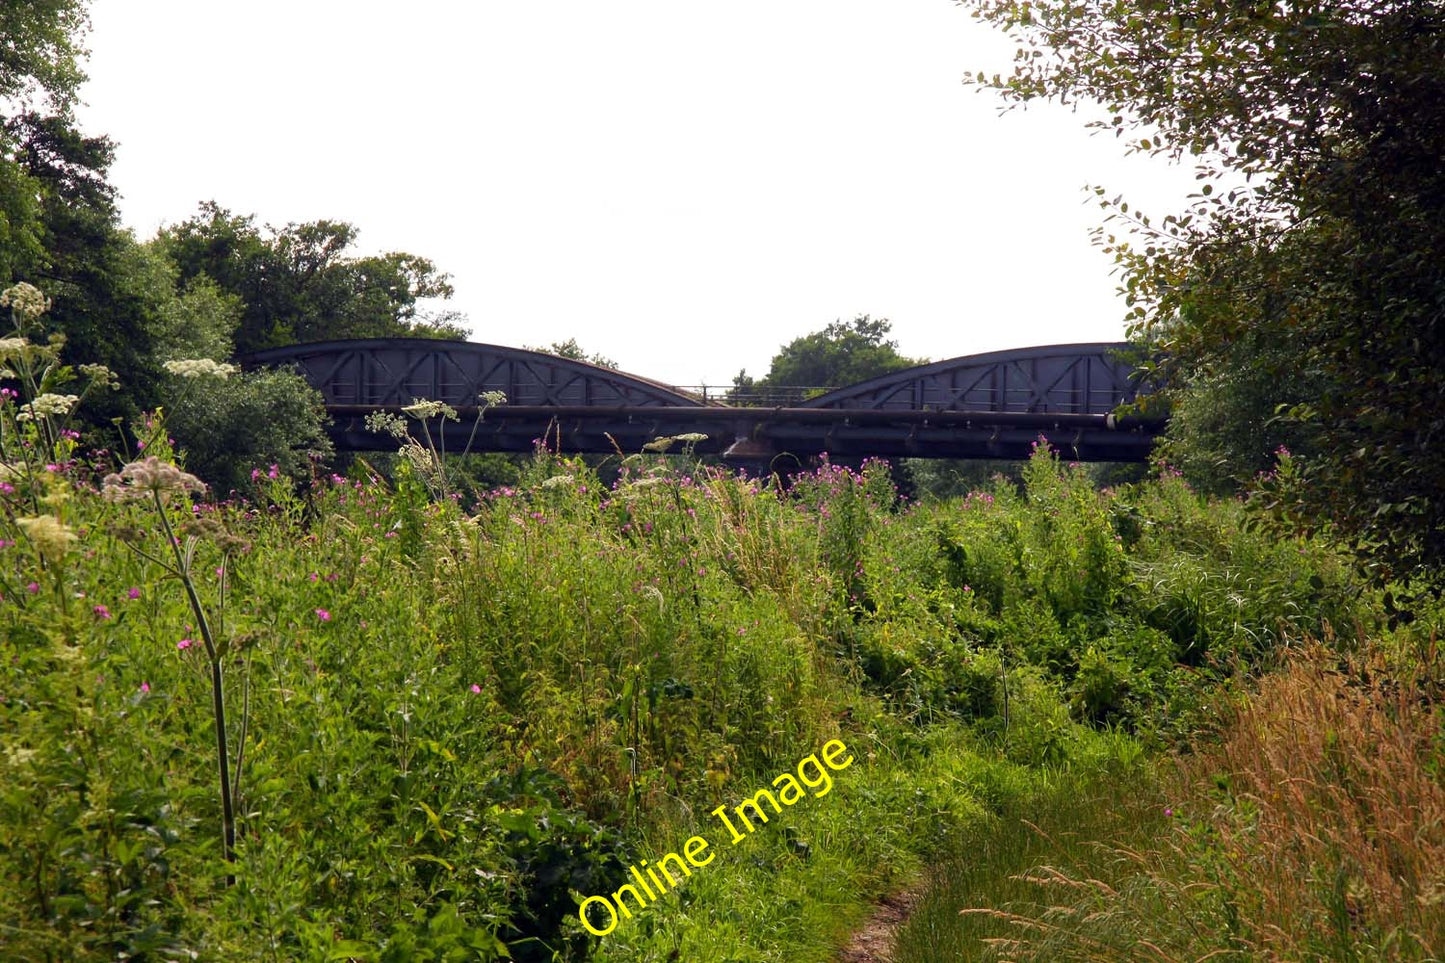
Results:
[874, 941]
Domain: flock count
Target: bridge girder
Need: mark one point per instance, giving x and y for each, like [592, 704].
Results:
[994, 405]
[390, 372]
[1093, 378]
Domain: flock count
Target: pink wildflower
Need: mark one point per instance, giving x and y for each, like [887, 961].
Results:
[134, 593]
[101, 611]
[476, 688]
[145, 687]
[184, 644]
[33, 588]
[323, 615]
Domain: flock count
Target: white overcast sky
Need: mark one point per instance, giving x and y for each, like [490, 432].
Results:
[683, 186]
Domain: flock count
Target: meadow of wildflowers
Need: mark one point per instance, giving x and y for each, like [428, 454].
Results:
[354, 717]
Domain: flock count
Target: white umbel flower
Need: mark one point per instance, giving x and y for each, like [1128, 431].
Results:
[48, 406]
[25, 300]
[140, 478]
[200, 368]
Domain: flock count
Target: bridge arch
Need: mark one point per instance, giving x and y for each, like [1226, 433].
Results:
[1075, 379]
[390, 372]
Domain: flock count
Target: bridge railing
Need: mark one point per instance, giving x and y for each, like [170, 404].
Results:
[755, 396]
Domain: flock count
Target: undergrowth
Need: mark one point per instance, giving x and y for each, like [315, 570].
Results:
[353, 720]
[1313, 829]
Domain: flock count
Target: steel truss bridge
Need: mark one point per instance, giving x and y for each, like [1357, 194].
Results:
[993, 405]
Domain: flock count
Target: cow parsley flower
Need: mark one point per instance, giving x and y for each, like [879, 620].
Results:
[101, 375]
[199, 368]
[48, 405]
[25, 301]
[422, 408]
[13, 348]
[151, 475]
[386, 423]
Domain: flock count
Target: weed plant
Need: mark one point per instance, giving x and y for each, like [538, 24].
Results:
[1313, 830]
[444, 728]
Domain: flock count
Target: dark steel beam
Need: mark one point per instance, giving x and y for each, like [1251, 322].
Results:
[758, 432]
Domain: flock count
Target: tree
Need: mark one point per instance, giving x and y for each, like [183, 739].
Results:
[571, 350]
[39, 75]
[1318, 230]
[843, 353]
[84, 260]
[298, 284]
[42, 52]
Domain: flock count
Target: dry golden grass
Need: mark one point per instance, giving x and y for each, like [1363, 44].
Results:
[1331, 823]
[1313, 829]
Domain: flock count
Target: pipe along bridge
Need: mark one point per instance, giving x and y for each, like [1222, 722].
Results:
[993, 405]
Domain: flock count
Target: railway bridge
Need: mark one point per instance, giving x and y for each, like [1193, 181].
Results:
[993, 405]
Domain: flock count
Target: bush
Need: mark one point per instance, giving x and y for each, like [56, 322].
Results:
[227, 428]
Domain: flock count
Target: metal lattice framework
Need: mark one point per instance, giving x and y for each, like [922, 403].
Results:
[1074, 379]
[389, 372]
[992, 405]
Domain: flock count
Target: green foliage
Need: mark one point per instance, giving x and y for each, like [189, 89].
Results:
[195, 321]
[980, 903]
[298, 284]
[253, 419]
[43, 49]
[570, 349]
[843, 353]
[1224, 424]
[1131, 603]
[20, 248]
[39, 76]
[88, 266]
[1314, 246]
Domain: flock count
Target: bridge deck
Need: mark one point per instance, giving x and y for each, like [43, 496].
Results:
[982, 406]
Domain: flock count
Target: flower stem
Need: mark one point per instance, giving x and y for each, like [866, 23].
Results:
[218, 698]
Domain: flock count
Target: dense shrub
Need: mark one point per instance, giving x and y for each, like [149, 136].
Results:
[254, 419]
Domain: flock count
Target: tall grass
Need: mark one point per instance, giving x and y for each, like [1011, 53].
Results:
[1313, 830]
[994, 897]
